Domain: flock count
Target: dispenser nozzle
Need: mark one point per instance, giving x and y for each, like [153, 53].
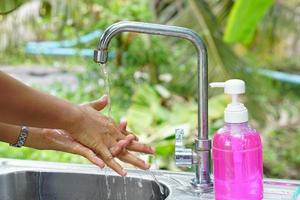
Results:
[217, 84]
[235, 112]
[233, 86]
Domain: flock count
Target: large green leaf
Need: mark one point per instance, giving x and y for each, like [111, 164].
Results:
[143, 111]
[165, 148]
[243, 19]
[139, 118]
[7, 6]
[146, 116]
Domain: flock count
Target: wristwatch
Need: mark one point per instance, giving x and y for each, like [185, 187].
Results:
[22, 137]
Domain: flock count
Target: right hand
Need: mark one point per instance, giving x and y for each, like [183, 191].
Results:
[100, 134]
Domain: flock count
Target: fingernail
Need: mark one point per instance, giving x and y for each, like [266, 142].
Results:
[104, 98]
[101, 164]
[131, 136]
[124, 173]
[147, 166]
[123, 119]
[152, 150]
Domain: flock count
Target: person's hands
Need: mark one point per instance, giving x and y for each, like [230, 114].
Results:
[105, 139]
[136, 146]
[61, 140]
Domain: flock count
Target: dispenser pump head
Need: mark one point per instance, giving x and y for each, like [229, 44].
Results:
[235, 112]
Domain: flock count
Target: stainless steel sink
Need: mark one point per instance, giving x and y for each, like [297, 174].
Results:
[35, 180]
[66, 186]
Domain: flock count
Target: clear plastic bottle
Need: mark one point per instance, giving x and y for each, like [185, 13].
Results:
[237, 151]
[237, 158]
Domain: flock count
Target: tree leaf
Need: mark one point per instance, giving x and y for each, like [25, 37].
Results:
[142, 113]
[243, 19]
[8, 6]
[165, 148]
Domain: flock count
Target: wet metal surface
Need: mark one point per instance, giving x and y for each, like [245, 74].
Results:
[20, 179]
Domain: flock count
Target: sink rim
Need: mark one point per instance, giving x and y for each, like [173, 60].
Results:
[171, 180]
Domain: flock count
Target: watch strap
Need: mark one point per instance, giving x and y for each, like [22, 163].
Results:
[22, 137]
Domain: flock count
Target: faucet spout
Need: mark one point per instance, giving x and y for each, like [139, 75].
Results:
[202, 144]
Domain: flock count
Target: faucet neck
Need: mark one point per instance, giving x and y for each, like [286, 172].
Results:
[101, 55]
[202, 143]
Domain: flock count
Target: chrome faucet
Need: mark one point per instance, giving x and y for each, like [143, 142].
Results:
[201, 157]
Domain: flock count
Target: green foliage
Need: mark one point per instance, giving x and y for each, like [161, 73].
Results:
[7, 6]
[156, 123]
[131, 10]
[33, 154]
[152, 114]
[288, 156]
[216, 106]
[144, 108]
[243, 18]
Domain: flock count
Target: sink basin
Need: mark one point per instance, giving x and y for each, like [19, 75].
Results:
[65, 186]
[36, 180]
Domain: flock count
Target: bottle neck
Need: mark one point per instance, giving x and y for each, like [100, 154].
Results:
[235, 125]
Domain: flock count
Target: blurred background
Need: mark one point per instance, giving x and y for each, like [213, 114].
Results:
[49, 44]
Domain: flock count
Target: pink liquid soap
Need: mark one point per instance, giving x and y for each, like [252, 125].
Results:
[237, 163]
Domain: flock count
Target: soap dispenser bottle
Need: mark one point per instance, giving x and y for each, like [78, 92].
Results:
[237, 151]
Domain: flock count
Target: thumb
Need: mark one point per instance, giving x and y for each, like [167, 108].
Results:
[99, 104]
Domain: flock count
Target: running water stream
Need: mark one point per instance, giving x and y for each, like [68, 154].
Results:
[161, 188]
[105, 74]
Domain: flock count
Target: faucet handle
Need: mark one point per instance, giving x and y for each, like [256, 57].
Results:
[183, 156]
[179, 137]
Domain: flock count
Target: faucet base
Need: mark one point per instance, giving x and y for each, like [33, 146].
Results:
[201, 187]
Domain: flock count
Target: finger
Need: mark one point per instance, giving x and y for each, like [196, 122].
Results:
[125, 132]
[121, 145]
[89, 154]
[123, 124]
[99, 104]
[121, 135]
[140, 147]
[134, 160]
[110, 162]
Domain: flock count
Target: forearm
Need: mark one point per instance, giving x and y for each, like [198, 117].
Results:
[10, 133]
[23, 105]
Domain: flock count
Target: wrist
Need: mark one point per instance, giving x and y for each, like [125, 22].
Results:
[42, 139]
[73, 119]
[35, 138]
